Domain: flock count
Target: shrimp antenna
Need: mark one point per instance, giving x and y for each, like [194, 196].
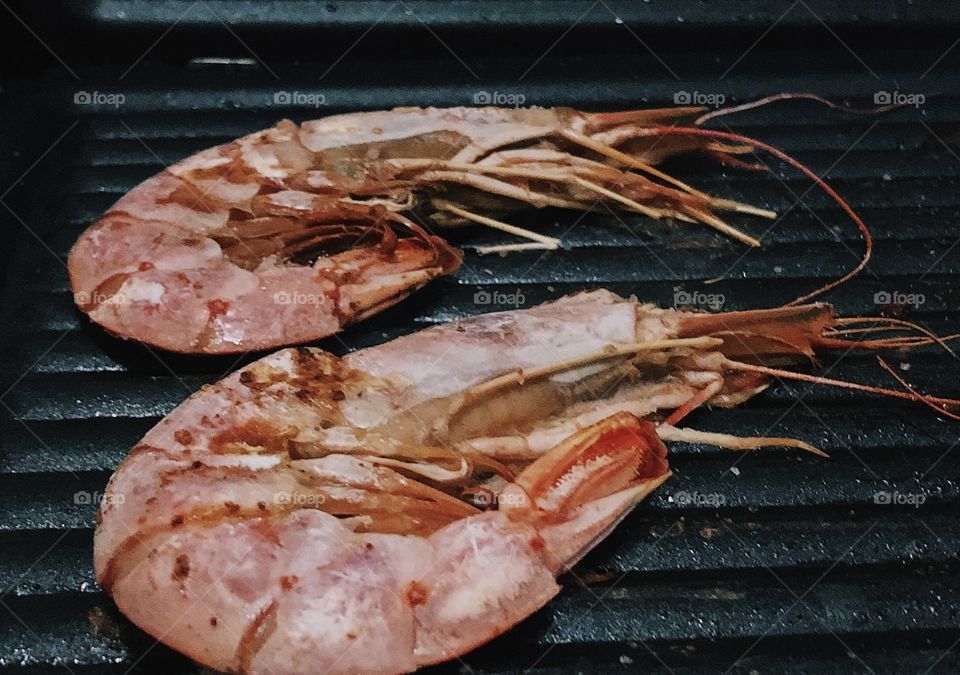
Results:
[822, 184]
[883, 323]
[793, 96]
[936, 402]
[926, 400]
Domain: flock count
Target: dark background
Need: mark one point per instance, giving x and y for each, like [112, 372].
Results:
[765, 562]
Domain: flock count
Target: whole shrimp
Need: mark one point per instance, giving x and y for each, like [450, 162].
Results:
[289, 234]
[310, 513]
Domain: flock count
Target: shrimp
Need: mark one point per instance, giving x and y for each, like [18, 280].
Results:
[289, 234]
[397, 507]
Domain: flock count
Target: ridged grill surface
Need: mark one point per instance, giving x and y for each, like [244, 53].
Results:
[763, 562]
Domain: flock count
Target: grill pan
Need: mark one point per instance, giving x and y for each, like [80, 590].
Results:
[771, 561]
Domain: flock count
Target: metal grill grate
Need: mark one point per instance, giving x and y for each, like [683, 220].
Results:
[791, 566]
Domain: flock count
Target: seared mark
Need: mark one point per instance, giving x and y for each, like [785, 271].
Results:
[235, 171]
[262, 520]
[218, 307]
[215, 308]
[316, 379]
[267, 530]
[142, 449]
[416, 594]
[186, 195]
[145, 266]
[255, 636]
[315, 365]
[181, 567]
[260, 377]
[183, 437]
[126, 557]
[254, 433]
[213, 621]
[135, 548]
[232, 507]
[106, 290]
[119, 223]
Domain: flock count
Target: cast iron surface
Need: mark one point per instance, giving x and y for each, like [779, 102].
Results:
[765, 562]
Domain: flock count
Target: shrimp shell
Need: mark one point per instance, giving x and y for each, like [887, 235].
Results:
[289, 234]
[304, 513]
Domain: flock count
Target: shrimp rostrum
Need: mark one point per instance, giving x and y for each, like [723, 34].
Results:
[289, 234]
[397, 507]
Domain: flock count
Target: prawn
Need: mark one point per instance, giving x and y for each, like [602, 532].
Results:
[396, 507]
[290, 234]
